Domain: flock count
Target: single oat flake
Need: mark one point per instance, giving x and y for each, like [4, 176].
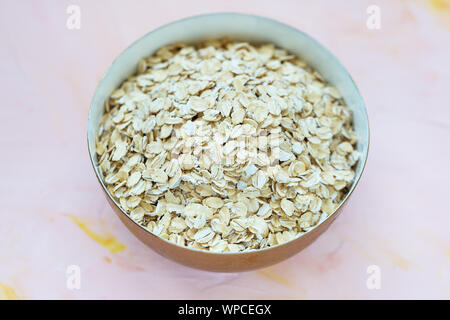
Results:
[226, 146]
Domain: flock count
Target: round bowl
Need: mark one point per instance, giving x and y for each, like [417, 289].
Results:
[241, 27]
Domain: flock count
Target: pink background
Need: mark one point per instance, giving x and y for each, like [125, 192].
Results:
[397, 219]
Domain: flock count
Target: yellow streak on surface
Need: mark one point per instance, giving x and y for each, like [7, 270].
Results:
[7, 293]
[399, 261]
[440, 5]
[272, 275]
[441, 9]
[108, 241]
[435, 241]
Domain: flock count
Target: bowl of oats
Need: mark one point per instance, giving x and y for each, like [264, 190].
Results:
[227, 142]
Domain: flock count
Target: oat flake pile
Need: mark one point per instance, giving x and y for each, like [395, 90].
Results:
[225, 146]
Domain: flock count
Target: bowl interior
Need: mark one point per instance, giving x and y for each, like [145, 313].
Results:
[241, 27]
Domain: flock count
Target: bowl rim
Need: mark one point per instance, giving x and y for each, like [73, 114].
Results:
[270, 20]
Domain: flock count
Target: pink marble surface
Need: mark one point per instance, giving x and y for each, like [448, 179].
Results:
[397, 219]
